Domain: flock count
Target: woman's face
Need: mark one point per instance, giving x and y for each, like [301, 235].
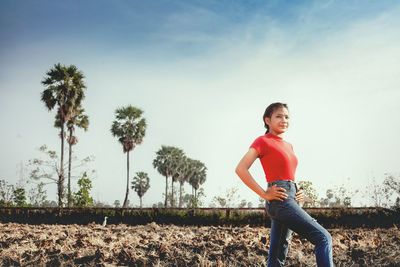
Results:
[279, 121]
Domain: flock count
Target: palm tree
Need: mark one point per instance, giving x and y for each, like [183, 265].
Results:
[198, 177]
[130, 129]
[81, 120]
[160, 163]
[183, 173]
[166, 162]
[141, 183]
[177, 156]
[64, 88]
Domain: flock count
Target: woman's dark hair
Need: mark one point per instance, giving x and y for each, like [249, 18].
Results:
[270, 109]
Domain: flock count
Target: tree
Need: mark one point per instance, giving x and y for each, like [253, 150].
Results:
[243, 203]
[194, 202]
[392, 186]
[177, 159]
[130, 128]
[183, 172]
[198, 178]
[49, 204]
[230, 199]
[171, 192]
[166, 161]
[338, 197]
[64, 89]
[311, 196]
[158, 205]
[392, 182]
[220, 201]
[100, 204]
[378, 194]
[82, 198]
[38, 196]
[80, 120]
[19, 197]
[141, 183]
[6, 194]
[47, 169]
[117, 203]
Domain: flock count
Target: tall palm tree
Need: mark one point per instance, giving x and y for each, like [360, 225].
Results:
[64, 89]
[176, 157]
[80, 120]
[183, 173]
[166, 162]
[160, 163]
[141, 183]
[130, 129]
[198, 177]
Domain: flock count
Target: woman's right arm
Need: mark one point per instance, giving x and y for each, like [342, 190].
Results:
[242, 170]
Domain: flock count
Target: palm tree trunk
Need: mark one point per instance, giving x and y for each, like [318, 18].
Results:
[166, 192]
[69, 171]
[195, 197]
[172, 193]
[192, 198]
[127, 181]
[140, 202]
[61, 174]
[180, 194]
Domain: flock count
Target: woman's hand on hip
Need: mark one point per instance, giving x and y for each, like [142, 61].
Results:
[300, 196]
[275, 193]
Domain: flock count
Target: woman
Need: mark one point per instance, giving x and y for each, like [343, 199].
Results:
[282, 195]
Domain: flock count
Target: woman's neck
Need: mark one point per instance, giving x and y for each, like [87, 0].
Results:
[281, 135]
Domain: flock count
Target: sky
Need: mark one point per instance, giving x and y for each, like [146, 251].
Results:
[203, 72]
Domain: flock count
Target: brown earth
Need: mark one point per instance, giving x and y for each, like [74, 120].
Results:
[169, 245]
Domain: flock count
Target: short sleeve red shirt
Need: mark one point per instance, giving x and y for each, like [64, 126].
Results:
[276, 156]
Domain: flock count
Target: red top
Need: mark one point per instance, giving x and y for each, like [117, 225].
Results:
[277, 157]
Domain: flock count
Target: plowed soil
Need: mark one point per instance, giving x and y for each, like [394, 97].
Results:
[169, 245]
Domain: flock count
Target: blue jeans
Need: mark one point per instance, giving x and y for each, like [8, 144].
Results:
[287, 216]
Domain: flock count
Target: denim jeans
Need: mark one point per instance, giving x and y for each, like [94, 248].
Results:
[287, 216]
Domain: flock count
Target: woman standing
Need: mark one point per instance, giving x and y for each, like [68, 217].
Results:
[282, 195]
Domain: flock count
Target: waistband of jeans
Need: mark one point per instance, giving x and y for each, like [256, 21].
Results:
[282, 181]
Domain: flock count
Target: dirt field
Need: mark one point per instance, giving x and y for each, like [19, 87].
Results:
[158, 245]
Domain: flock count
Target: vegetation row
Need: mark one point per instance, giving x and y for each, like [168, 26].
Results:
[328, 217]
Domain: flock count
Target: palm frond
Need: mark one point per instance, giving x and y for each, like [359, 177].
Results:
[48, 98]
[129, 127]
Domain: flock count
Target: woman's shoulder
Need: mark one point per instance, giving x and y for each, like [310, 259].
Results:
[260, 144]
[262, 139]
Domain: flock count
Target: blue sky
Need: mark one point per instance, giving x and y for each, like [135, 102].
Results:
[203, 72]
